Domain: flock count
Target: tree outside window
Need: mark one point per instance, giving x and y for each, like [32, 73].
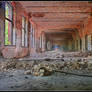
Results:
[8, 24]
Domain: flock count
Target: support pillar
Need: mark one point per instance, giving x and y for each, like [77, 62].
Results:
[79, 45]
[83, 43]
[89, 43]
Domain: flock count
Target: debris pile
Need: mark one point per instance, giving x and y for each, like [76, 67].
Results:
[51, 62]
[47, 68]
[44, 68]
[15, 64]
[59, 54]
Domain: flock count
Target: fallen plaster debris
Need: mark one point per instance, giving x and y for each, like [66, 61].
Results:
[46, 66]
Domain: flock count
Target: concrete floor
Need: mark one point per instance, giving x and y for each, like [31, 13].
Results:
[17, 80]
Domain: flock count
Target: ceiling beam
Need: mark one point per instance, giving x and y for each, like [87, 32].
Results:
[68, 30]
[61, 30]
[51, 32]
[44, 6]
[56, 3]
[59, 9]
[63, 18]
[59, 12]
[57, 17]
[57, 20]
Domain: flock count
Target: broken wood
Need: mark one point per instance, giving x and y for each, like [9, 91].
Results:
[84, 75]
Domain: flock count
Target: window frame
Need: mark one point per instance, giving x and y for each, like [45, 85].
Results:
[25, 28]
[11, 21]
[26, 33]
[0, 35]
[31, 36]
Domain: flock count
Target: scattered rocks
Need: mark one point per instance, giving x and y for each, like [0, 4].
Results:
[90, 65]
[27, 72]
[42, 70]
[52, 61]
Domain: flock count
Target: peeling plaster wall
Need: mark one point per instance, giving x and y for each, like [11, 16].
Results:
[17, 50]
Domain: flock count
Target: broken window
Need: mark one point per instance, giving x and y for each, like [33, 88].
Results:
[24, 32]
[8, 24]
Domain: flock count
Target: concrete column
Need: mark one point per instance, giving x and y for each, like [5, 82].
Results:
[43, 42]
[40, 42]
[70, 45]
[89, 43]
[75, 45]
[79, 44]
[49, 45]
[83, 44]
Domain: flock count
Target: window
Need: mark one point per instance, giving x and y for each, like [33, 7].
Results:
[8, 24]
[40, 42]
[86, 42]
[0, 34]
[24, 32]
[32, 37]
[80, 44]
[14, 28]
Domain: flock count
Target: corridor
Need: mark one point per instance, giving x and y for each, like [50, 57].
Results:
[45, 45]
[35, 27]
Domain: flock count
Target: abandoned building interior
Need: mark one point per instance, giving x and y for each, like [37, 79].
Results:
[44, 38]
[26, 27]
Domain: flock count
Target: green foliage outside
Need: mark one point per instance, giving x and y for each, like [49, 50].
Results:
[7, 42]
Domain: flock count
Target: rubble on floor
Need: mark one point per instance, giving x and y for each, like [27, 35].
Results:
[59, 55]
[54, 60]
[45, 68]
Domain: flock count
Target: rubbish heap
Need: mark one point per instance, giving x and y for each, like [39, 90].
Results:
[52, 60]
